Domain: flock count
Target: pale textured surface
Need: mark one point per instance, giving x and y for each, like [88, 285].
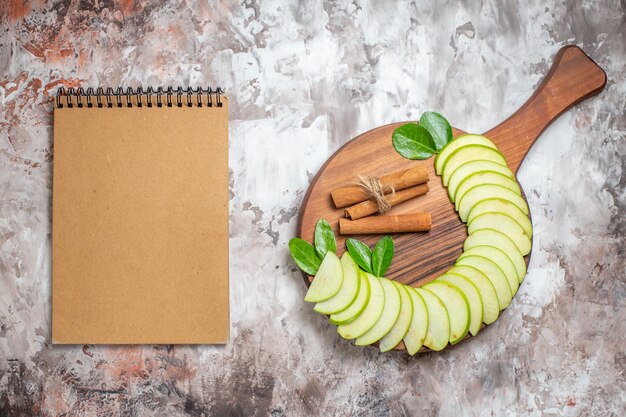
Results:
[303, 78]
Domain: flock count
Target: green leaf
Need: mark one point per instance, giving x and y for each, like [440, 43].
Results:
[360, 253]
[324, 238]
[412, 141]
[438, 127]
[382, 256]
[303, 254]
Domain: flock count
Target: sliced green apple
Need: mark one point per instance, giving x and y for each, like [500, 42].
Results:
[496, 205]
[370, 315]
[457, 307]
[459, 142]
[504, 224]
[438, 333]
[418, 328]
[501, 259]
[355, 309]
[469, 153]
[327, 281]
[389, 316]
[472, 295]
[484, 192]
[472, 167]
[485, 177]
[493, 272]
[488, 294]
[348, 291]
[490, 237]
[401, 327]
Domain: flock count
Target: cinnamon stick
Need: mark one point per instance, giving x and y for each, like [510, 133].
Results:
[347, 196]
[401, 223]
[368, 207]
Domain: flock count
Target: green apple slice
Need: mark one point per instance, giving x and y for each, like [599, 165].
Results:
[490, 237]
[389, 316]
[355, 309]
[480, 178]
[327, 281]
[494, 274]
[459, 142]
[469, 153]
[472, 295]
[488, 294]
[438, 333]
[401, 327]
[501, 259]
[504, 224]
[348, 291]
[496, 205]
[418, 328]
[472, 167]
[457, 307]
[370, 315]
[484, 192]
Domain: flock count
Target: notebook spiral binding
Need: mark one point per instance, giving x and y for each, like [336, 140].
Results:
[181, 97]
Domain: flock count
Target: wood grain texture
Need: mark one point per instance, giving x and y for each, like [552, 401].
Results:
[421, 257]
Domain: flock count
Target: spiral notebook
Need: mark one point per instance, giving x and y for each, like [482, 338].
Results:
[140, 217]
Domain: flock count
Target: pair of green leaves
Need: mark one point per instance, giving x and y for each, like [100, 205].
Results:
[309, 257]
[421, 141]
[375, 262]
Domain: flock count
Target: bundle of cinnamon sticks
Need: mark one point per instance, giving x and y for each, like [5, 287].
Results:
[376, 196]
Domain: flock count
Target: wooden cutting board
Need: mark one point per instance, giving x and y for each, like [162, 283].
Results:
[421, 257]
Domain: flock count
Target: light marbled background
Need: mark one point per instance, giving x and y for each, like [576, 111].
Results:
[303, 78]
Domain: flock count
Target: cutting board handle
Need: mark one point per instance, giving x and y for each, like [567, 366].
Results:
[572, 78]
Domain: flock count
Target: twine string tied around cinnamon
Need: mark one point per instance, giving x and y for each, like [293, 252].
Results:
[376, 192]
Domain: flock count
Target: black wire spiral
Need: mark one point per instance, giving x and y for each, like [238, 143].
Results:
[182, 97]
